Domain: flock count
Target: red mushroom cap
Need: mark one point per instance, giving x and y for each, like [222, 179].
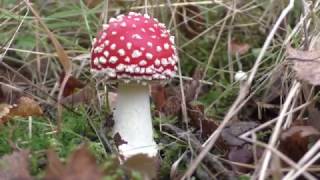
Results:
[134, 47]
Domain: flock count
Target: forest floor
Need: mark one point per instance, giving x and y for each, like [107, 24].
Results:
[244, 104]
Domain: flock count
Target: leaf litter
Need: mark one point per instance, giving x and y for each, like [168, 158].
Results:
[81, 165]
[15, 166]
[306, 64]
[25, 107]
[294, 141]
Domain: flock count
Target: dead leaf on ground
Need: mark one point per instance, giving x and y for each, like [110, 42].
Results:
[54, 166]
[72, 86]
[313, 116]
[25, 107]
[190, 20]
[244, 155]
[168, 99]
[4, 111]
[306, 64]
[294, 142]
[158, 93]
[92, 3]
[15, 166]
[231, 133]
[239, 48]
[241, 154]
[205, 125]
[80, 166]
[85, 95]
[200, 121]
[240, 150]
[143, 164]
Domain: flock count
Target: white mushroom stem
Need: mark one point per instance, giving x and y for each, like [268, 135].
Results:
[133, 121]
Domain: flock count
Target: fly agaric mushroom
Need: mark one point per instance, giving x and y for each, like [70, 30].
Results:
[134, 50]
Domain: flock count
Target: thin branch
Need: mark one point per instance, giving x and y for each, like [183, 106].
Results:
[242, 94]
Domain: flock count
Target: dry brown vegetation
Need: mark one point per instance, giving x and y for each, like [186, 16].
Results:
[244, 104]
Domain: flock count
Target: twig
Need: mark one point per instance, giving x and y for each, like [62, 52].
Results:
[242, 94]
[282, 156]
[166, 5]
[183, 98]
[305, 167]
[191, 79]
[268, 123]
[276, 131]
[268, 40]
[13, 36]
[230, 30]
[305, 158]
[104, 14]
[211, 159]
[100, 134]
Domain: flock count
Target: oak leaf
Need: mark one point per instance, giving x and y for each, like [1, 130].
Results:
[80, 166]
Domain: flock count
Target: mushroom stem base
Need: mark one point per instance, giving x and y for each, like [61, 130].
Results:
[133, 130]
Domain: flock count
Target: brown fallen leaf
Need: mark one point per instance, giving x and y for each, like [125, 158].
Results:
[240, 151]
[15, 166]
[72, 85]
[92, 3]
[167, 99]
[143, 164]
[302, 55]
[25, 107]
[203, 124]
[200, 121]
[313, 116]
[172, 106]
[158, 93]
[2, 96]
[243, 154]
[191, 21]
[294, 142]
[85, 95]
[231, 132]
[4, 111]
[54, 166]
[306, 64]
[239, 48]
[80, 166]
